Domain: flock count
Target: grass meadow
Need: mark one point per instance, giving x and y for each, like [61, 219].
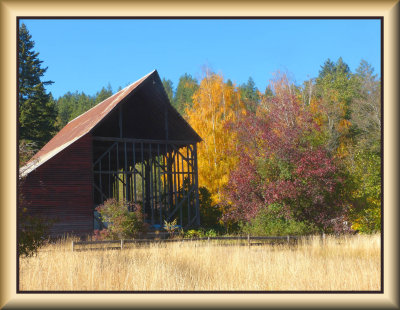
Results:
[339, 263]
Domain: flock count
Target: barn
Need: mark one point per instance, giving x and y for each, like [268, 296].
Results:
[133, 146]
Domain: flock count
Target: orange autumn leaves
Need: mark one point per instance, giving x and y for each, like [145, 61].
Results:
[215, 105]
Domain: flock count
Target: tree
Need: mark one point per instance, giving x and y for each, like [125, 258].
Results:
[348, 107]
[366, 112]
[168, 89]
[64, 110]
[216, 105]
[250, 94]
[307, 92]
[71, 105]
[335, 91]
[37, 112]
[210, 213]
[284, 168]
[365, 213]
[103, 94]
[364, 163]
[187, 86]
[268, 92]
[327, 69]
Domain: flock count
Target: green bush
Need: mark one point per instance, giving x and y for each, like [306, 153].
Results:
[210, 233]
[210, 215]
[32, 233]
[269, 222]
[365, 213]
[193, 233]
[199, 233]
[121, 223]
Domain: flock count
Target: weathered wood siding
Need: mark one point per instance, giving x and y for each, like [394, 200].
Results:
[61, 189]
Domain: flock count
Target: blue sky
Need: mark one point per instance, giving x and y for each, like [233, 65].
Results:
[85, 55]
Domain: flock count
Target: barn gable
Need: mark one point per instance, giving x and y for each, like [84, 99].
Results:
[133, 146]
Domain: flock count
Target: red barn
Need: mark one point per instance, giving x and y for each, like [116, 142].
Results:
[133, 146]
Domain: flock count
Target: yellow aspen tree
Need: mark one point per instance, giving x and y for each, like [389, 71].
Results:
[215, 105]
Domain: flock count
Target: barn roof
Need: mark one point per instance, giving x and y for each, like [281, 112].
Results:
[89, 120]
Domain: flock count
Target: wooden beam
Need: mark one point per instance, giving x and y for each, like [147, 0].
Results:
[134, 169]
[106, 152]
[178, 205]
[196, 181]
[114, 139]
[120, 121]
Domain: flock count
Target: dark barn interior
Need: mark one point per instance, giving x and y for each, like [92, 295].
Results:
[133, 146]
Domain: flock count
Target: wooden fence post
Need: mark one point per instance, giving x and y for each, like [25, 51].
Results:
[288, 238]
[122, 243]
[323, 238]
[248, 239]
[72, 246]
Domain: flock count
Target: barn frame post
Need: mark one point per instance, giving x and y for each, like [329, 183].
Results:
[196, 181]
[168, 176]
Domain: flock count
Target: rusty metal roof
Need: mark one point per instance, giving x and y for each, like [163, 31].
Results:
[79, 127]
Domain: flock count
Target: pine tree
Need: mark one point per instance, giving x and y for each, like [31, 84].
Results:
[168, 89]
[102, 95]
[187, 86]
[250, 94]
[335, 89]
[37, 111]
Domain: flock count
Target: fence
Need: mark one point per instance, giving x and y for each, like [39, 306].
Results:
[121, 243]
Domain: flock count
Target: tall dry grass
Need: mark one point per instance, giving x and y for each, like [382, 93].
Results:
[346, 263]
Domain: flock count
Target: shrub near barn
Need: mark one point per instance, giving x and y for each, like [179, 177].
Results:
[120, 221]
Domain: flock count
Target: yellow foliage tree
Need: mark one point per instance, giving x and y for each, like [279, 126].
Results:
[215, 105]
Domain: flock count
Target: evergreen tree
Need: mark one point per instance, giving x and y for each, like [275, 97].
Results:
[71, 105]
[327, 68]
[268, 92]
[249, 94]
[335, 88]
[102, 95]
[37, 111]
[168, 89]
[249, 90]
[187, 86]
[64, 110]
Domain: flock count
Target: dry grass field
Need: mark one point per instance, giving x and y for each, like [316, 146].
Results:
[346, 263]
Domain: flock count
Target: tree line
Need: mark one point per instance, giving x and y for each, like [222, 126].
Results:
[295, 158]
[289, 159]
